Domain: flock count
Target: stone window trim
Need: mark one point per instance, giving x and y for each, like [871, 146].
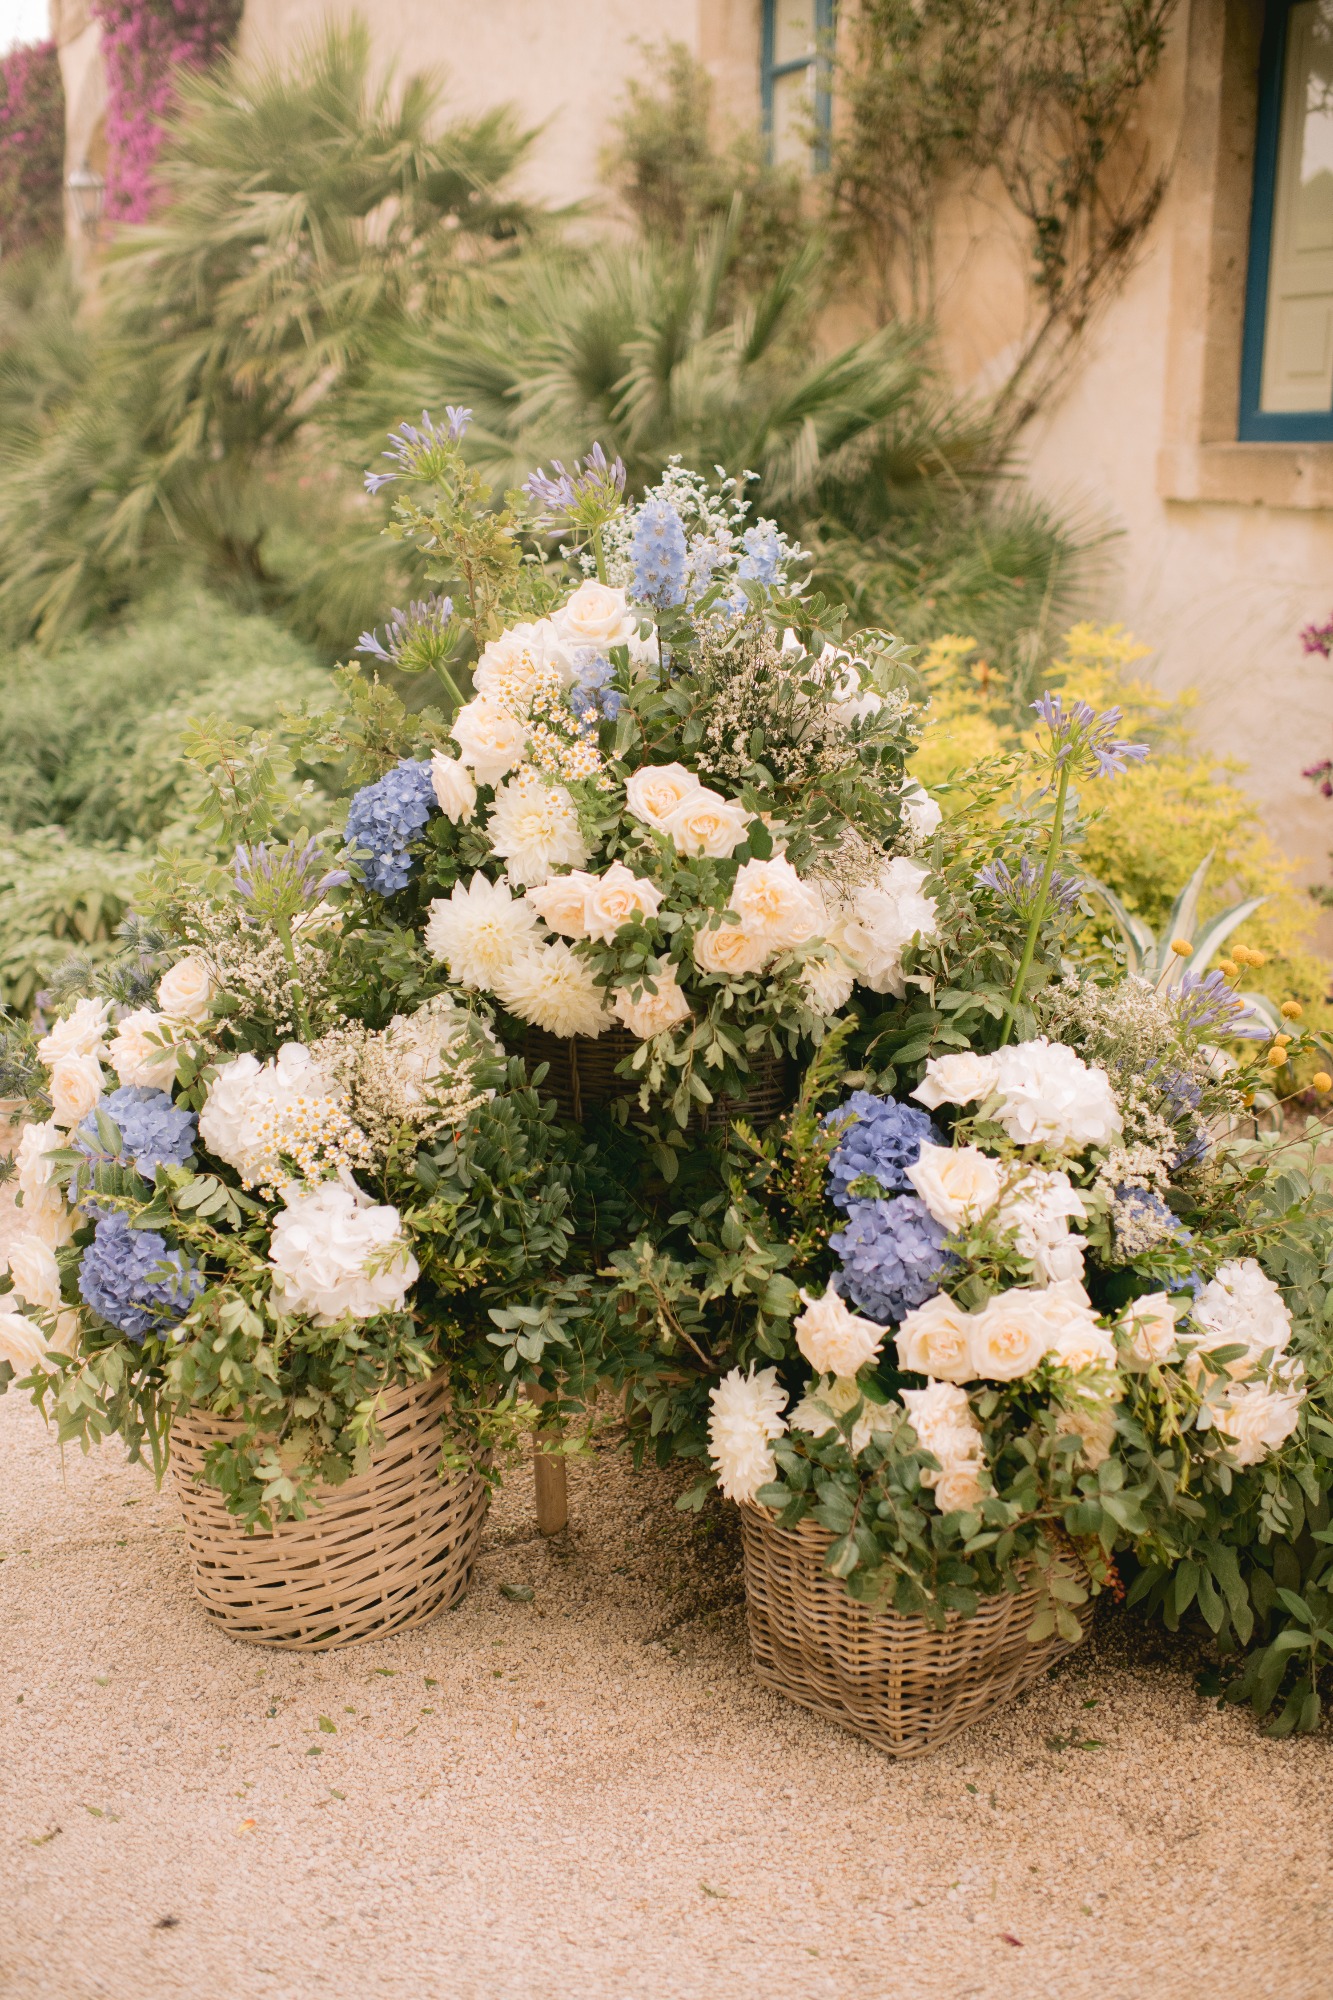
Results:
[1200, 460]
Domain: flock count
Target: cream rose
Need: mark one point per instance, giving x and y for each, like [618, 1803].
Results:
[76, 1085]
[936, 1340]
[140, 1053]
[834, 1339]
[185, 993]
[562, 902]
[452, 783]
[960, 1486]
[653, 1013]
[22, 1343]
[596, 616]
[616, 898]
[36, 1275]
[958, 1184]
[704, 823]
[490, 739]
[509, 665]
[1149, 1325]
[1010, 1335]
[1256, 1419]
[32, 1157]
[731, 950]
[774, 904]
[957, 1079]
[655, 790]
[82, 1032]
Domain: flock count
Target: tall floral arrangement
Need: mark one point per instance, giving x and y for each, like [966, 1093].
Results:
[144, 42]
[32, 146]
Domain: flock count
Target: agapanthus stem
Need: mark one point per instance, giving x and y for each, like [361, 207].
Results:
[284, 930]
[598, 556]
[1039, 906]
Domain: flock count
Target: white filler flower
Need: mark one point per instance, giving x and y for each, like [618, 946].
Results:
[335, 1257]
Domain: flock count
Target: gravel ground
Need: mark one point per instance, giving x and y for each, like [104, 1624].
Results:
[588, 1792]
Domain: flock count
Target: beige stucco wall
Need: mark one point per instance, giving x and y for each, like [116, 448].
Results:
[78, 40]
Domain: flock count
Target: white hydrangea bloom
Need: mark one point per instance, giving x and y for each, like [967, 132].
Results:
[1256, 1417]
[334, 1256]
[1242, 1306]
[746, 1417]
[875, 928]
[1051, 1097]
[257, 1113]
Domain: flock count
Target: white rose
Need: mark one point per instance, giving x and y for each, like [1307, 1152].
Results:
[1149, 1325]
[81, 1033]
[335, 1256]
[958, 1184]
[774, 904]
[490, 739]
[957, 1079]
[705, 823]
[36, 1275]
[186, 991]
[140, 1051]
[615, 898]
[653, 1013]
[510, 664]
[1051, 1097]
[34, 1166]
[921, 813]
[936, 1340]
[1092, 1420]
[654, 791]
[596, 616]
[455, 792]
[833, 1339]
[22, 1343]
[1256, 1419]
[562, 902]
[1010, 1335]
[730, 950]
[942, 1418]
[76, 1085]
[959, 1486]
[44, 1214]
[830, 1397]
[826, 983]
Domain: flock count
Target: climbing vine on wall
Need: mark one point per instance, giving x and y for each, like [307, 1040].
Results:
[144, 42]
[32, 146]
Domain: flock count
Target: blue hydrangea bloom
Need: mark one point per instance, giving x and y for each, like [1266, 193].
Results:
[386, 817]
[763, 555]
[658, 553]
[121, 1278]
[153, 1132]
[892, 1255]
[591, 695]
[884, 1141]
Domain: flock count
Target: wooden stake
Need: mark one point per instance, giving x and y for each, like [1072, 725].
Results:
[549, 1474]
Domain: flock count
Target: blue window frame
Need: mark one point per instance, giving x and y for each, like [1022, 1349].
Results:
[794, 80]
[1287, 352]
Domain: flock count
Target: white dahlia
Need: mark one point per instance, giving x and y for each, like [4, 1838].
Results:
[747, 1415]
[534, 828]
[479, 931]
[553, 988]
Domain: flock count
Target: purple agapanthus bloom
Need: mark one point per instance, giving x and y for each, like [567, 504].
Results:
[1023, 888]
[282, 880]
[133, 1281]
[1080, 732]
[892, 1255]
[420, 630]
[883, 1139]
[411, 446]
[385, 818]
[1204, 1001]
[593, 489]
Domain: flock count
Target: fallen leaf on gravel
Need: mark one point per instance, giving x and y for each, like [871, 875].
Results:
[1007, 1937]
[520, 1593]
[166, 1924]
[40, 1839]
[246, 1825]
[328, 1726]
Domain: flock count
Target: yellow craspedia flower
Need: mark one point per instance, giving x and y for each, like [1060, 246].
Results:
[1292, 1010]
[1229, 966]
[1181, 947]
[1277, 1055]
[1257, 958]
[1322, 1080]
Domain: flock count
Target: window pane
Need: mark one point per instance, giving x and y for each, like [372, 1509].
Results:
[791, 118]
[793, 30]
[1298, 330]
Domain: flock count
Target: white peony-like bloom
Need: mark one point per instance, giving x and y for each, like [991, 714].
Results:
[959, 1184]
[1011, 1334]
[82, 1032]
[936, 1340]
[510, 665]
[185, 993]
[479, 931]
[254, 1112]
[562, 902]
[834, 1339]
[1149, 1324]
[335, 1256]
[596, 616]
[454, 788]
[957, 1079]
[1051, 1097]
[141, 1051]
[746, 1417]
[75, 1086]
[921, 813]
[775, 905]
[553, 988]
[730, 950]
[22, 1343]
[616, 898]
[1040, 1208]
[1242, 1306]
[35, 1273]
[654, 791]
[534, 828]
[830, 1397]
[1256, 1418]
[704, 823]
[490, 739]
[827, 983]
[874, 931]
[652, 1013]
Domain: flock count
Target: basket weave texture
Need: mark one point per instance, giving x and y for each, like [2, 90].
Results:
[582, 1076]
[389, 1548]
[886, 1676]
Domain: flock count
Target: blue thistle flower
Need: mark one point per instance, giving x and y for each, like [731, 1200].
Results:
[892, 1255]
[122, 1277]
[385, 818]
[885, 1139]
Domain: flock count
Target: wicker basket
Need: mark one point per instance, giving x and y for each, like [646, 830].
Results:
[582, 1076]
[893, 1679]
[388, 1549]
